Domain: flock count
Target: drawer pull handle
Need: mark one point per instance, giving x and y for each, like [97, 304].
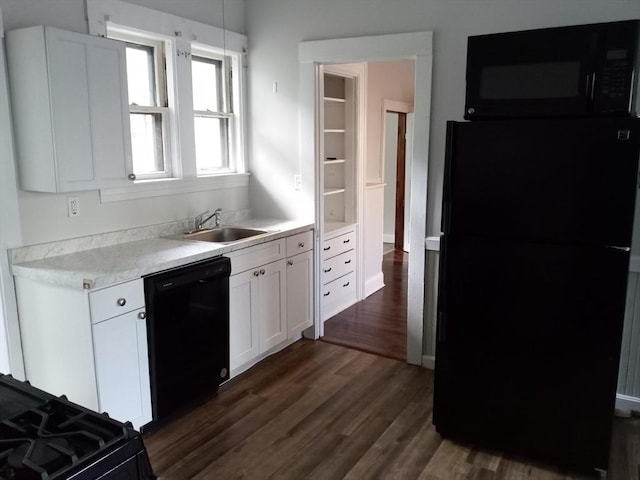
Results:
[262, 272]
[327, 270]
[290, 262]
[142, 315]
[347, 262]
[326, 294]
[346, 284]
[301, 245]
[256, 273]
[326, 248]
[346, 241]
[122, 302]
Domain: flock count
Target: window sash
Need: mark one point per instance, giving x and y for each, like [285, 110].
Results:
[151, 156]
[204, 146]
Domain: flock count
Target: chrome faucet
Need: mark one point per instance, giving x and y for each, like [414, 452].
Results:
[200, 219]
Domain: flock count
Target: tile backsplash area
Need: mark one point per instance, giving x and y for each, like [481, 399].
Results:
[63, 247]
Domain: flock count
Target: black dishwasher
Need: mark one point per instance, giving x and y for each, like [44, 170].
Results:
[188, 334]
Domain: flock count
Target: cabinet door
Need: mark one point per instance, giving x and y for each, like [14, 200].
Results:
[243, 318]
[272, 307]
[89, 108]
[299, 293]
[122, 367]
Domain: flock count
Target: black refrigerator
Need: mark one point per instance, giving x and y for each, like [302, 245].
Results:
[537, 221]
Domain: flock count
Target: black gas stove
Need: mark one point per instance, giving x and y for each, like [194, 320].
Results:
[45, 437]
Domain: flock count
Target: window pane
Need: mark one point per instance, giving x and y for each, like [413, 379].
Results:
[146, 143]
[211, 135]
[140, 75]
[207, 90]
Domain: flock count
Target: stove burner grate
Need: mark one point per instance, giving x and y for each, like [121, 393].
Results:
[43, 442]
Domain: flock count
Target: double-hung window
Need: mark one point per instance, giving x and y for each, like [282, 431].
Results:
[184, 81]
[148, 105]
[212, 111]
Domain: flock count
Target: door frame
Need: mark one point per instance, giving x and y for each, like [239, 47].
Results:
[419, 47]
[402, 109]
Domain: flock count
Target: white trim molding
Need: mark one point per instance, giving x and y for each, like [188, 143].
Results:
[11, 360]
[172, 186]
[419, 47]
[626, 404]
[100, 12]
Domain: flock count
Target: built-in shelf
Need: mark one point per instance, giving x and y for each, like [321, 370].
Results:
[333, 191]
[334, 99]
[334, 162]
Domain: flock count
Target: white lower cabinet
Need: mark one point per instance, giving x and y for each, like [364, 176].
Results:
[339, 255]
[122, 367]
[257, 302]
[243, 319]
[91, 347]
[299, 293]
[270, 298]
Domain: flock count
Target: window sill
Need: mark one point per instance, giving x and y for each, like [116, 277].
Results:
[173, 186]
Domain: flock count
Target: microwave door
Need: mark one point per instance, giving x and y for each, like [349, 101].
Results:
[533, 73]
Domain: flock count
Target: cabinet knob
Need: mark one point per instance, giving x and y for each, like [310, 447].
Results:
[142, 315]
[290, 262]
[122, 302]
[301, 245]
[132, 176]
[262, 272]
[256, 273]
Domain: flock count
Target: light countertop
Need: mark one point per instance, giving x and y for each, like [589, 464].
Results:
[101, 267]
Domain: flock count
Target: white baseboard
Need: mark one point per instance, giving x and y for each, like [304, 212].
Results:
[626, 404]
[429, 362]
[373, 284]
[388, 238]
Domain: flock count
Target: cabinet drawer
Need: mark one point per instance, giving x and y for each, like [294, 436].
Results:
[337, 245]
[113, 301]
[338, 295]
[338, 266]
[247, 258]
[302, 242]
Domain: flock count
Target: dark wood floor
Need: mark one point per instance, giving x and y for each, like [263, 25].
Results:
[377, 324]
[317, 410]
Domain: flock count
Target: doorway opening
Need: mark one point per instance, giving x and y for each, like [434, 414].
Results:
[377, 322]
[417, 46]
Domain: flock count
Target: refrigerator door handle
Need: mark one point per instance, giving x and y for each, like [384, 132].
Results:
[441, 328]
[620, 249]
[445, 222]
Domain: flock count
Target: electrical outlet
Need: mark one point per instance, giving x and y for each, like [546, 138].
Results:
[73, 206]
[297, 182]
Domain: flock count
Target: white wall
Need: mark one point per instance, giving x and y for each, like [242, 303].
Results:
[44, 216]
[29, 218]
[275, 27]
[385, 81]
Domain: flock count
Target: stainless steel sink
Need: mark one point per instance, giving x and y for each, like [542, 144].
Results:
[222, 235]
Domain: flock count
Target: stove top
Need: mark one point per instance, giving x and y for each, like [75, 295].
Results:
[47, 437]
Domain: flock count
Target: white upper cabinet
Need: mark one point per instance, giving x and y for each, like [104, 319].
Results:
[70, 108]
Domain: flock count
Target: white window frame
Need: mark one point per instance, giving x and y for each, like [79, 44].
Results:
[231, 103]
[127, 35]
[180, 36]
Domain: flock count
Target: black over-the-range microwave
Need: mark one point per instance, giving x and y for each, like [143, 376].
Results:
[583, 70]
